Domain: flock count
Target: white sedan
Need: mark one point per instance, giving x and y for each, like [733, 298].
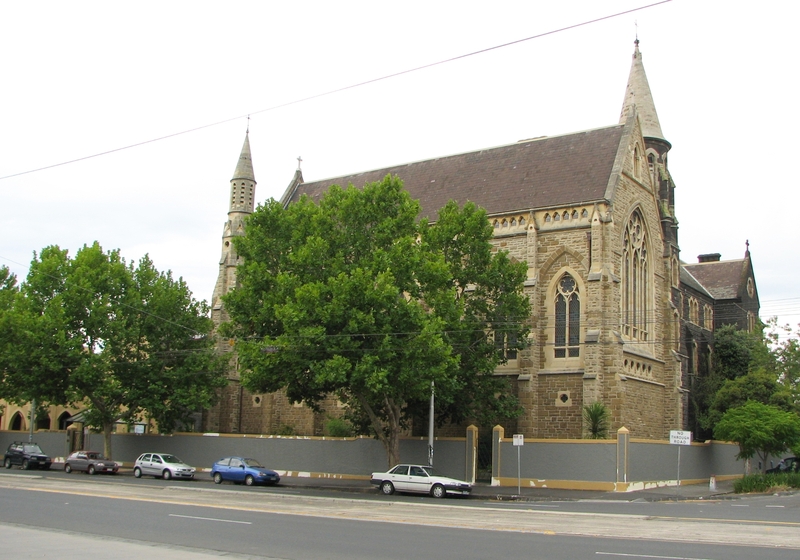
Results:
[419, 478]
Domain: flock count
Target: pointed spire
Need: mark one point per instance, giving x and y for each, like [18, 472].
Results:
[638, 95]
[244, 168]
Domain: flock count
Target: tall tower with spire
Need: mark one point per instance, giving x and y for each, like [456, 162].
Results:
[226, 415]
[639, 100]
[241, 205]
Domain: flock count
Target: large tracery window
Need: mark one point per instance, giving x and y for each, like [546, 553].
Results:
[568, 318]
[635, 297]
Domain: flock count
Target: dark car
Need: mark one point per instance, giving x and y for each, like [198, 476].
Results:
[26, 455]
[243, 469]
[790, 464]
[91, 462]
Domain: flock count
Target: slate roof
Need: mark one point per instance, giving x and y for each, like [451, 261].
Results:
[538, 173]
[722, 279]
[692, 282]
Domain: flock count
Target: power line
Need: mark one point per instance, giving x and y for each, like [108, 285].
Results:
[338, 90]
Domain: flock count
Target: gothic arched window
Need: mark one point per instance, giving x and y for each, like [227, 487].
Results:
[568, 318]
[635, 279]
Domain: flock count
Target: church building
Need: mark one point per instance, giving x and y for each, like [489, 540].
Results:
[617, 316]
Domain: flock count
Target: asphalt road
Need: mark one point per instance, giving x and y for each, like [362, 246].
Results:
[779, 509]
[128, 518]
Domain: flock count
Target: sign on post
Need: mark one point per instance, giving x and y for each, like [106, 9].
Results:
[519, 441]
[680, 437]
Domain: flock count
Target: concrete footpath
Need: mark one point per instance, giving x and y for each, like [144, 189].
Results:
[485, 491]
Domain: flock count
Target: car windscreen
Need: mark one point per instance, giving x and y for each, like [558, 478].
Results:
[32, 449]
[171, 459]
[253, 463]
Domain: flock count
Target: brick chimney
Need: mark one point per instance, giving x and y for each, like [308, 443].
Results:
[708, 257]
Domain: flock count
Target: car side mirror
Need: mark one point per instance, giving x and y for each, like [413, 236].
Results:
[241, 467]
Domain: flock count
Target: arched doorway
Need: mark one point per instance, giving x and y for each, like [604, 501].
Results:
[17, 422]
[63, 420]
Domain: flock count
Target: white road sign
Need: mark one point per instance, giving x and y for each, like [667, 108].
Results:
[680, 437]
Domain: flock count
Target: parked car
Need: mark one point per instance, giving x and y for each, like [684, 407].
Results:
[789, 464]
[91, 462]
[419, 478]
[162, 465]
[243, 469]
[26, 455]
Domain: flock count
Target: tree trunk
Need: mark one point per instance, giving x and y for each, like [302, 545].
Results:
[392, 445]
[107, 426]
[386, 430]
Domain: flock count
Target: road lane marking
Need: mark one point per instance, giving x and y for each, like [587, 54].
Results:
[210, 519]
[623, 555]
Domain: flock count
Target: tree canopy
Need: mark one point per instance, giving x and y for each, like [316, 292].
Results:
[759, 429]
[355, 297]
[742, 370]
[759, 386]
[127, 341]
[784, 344]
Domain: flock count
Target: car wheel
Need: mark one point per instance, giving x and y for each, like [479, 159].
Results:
[91, 470]
[137, 472]
[67, 468]
[249, 480]
[217, 478]
[25, 464]
[387, 488]
[438, 491]
[7, 463]
[167, 474]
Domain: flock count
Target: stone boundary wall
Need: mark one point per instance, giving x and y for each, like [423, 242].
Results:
[592, 464]
[575, 464]
[294, 455]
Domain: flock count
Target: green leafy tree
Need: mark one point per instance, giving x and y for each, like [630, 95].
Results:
[784, 344]
[759, 386]
[8, 293]
[759, 429]
[38, 351]
[736, 353]
[354, 296]
[128, 341]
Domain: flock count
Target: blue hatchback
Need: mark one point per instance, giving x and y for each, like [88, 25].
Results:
[243, 469]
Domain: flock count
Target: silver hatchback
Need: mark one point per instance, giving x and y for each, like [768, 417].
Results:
[162, 465]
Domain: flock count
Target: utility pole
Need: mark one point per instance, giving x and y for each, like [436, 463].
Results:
[33, 420]
[430, 429]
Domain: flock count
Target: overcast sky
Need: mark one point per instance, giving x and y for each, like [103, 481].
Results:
[83, 78]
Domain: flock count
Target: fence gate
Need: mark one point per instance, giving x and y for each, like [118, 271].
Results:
[484, 473]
